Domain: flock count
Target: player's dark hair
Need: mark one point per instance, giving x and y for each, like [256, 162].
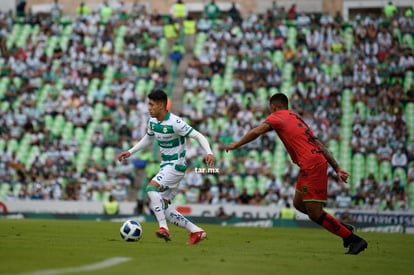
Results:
[279, 99]
[158, 96]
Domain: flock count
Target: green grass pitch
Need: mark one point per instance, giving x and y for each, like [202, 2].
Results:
[50, 246]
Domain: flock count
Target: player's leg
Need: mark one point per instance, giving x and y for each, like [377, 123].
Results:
[300, 206]
[317, 214]
[311, 194]
[312, 191]
[197, 234]
[157, 206]
[298, 202]
[175, 217]
[165, 179]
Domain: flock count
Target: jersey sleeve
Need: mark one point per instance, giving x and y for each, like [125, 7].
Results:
[150, 132]
[274, 121]
[182, 128]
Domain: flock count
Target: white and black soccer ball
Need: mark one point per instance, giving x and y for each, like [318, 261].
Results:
[131, 231]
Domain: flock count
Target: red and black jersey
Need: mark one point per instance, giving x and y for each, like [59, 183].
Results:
[297, 137]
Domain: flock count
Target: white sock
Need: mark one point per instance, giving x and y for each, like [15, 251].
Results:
[157, 206]
[175, 217]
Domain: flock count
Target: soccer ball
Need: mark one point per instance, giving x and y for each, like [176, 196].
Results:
[131, 231]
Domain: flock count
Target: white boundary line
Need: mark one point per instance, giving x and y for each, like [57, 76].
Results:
[99, 265]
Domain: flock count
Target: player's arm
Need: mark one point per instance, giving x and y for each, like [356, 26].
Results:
[202, 140]
[328, 155]
[250, 136]
[342, 174]
[144, 142]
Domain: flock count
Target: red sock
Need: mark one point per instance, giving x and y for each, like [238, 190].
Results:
[333, 225]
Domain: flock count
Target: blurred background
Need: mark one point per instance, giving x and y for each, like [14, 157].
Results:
[75, 75]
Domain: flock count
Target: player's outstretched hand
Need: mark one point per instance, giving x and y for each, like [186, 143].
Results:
[210, 160]
[231, 146]
[342, 175]
[123, 155]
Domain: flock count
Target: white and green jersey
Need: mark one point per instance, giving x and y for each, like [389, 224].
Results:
[170, 134]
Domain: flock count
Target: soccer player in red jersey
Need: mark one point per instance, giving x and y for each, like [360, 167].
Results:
[312, 156]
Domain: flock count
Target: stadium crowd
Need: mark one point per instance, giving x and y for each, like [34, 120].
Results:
[73, 94]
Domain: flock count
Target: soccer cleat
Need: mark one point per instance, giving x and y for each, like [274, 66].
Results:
[196, 237]
[351, 228]
[163, 233]
[357, 245]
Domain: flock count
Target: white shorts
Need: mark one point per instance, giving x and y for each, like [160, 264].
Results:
[169, 179]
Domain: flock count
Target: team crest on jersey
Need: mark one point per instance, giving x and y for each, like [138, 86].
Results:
[304, 189]
[165, 130]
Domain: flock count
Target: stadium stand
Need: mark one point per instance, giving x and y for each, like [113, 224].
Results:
[73, 94]
[262, 44]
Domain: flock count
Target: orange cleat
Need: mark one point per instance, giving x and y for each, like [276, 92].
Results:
[163, 233]
[196, 237]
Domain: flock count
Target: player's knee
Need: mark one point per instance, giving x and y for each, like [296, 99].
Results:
[314, 214]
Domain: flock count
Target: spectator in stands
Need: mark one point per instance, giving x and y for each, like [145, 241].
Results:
[205, 196]
[216, 66]
[397, 186]
[105, 11]
[399, 159]
[229, 192]
[372, 204]
[385, 43]
[56, 10]
[406, 60]
[313, 39]
[291, 14]
[384, 151]
[21, 8]
[390, 10]
[287, 213]
[234, 13]
[37, 193]
[83, 10]
[212, 10]
[179, 11]
[177, 52]
[272, 194]
[204, 24]
[257, 198]
[111, 207]
[138, 8]
[252, 166]
[244, 197]
[333, 190]
[289, 53]
[124, 132]
[23, 193]
[358, 143]
[343, 199]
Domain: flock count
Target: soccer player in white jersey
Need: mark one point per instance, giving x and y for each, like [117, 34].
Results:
[170, 132]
